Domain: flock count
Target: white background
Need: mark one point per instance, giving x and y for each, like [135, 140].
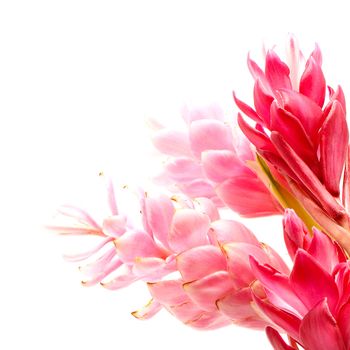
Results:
[77, 79]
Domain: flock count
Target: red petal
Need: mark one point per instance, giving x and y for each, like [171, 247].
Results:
[334, 137]
[311, 282]
[303, 108]
[276, 340]
[280, 286]
[277, 72]
[307, 177]
[247, 110]
[262, 102]
[319, 330]
[312, 82]
[281, 318]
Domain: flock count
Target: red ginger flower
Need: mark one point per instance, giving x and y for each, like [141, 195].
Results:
[297, 133]
[311, 304]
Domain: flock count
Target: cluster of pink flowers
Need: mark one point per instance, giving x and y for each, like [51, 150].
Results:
[290, 158]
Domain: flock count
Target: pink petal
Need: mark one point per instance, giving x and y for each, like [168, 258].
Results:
[277, 72]
[284, 319]
[199, 262]
[197, 188]
[114, 226]
[276, 340]
[220, 165]
[208, 112]
[145, 267]
[319, 330]
[312, 82]
[78, 214]
[148, 311]
[207, 207]
[333, 146]
[107, 270]
[237, 306]
[159, 214]
[238, 264]
[189, 229]
[120, 281]
[344, 324]
[262, 102]
[346, 181]
[317, 55]
[248, 197]
[209, 135]
[172, 142]
[136, 244]
[294, 133]
[311, 282]
[294, 56]
[231, 231]
[295, 232]
[247, 110]
[256, 137]
[304, 109]
[168, 292]
[284, 295]
[183, 169]
[209, 320]
[275, 259]
[87, 254]
[324, 250]
[206, 291]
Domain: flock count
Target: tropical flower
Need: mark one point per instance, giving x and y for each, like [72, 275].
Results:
[299, 134]
[311, 303]
[208, 158]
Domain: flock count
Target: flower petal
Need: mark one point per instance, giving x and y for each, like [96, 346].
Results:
[319, 330]
[312, 82]
[248, 197]
[229, 231]
[136, 244]
[334, 138]
[198, 262]
[206, 291]
[277, 72]
[209, 134]
[189, 229]
[311, 282]
[172, 142]
[276, 340]
[220, 165]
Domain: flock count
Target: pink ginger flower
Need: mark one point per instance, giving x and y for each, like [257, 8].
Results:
[311, 304]
[210, 255]
[207, 160]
